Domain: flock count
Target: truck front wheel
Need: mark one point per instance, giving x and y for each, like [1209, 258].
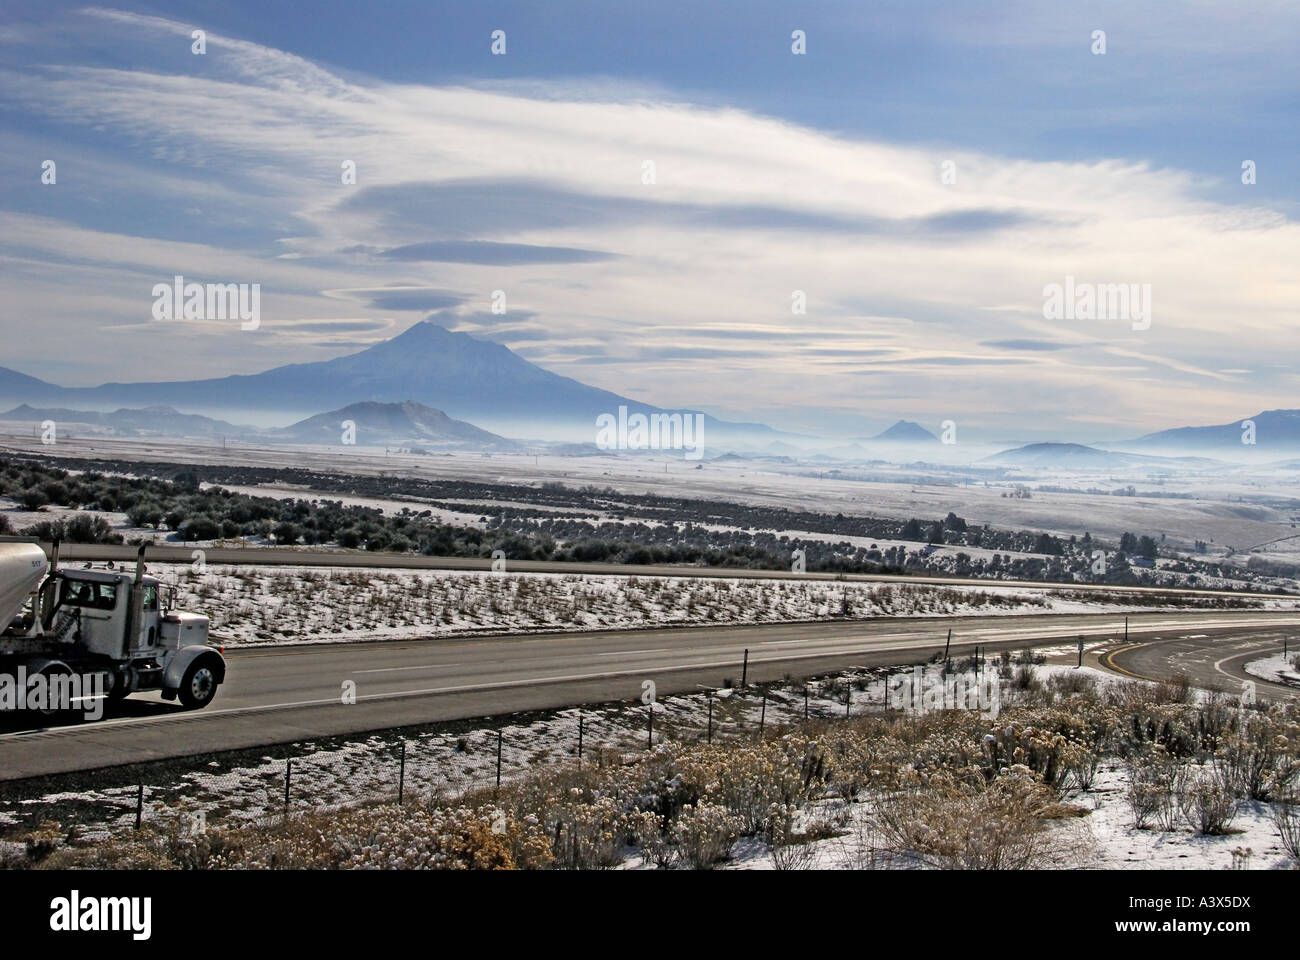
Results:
[199, 686]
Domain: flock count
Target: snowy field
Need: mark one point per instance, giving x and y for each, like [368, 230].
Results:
[249, 604]
[1278, 669]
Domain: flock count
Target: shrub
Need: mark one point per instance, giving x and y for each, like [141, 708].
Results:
[789, 850]
[648, 833]
[80, 528]
[1259, 759]
[1285, 814]
[1150, 787]
[199, 528]
[1177, 689]
[1204, 796]
[1026, 678]
[704, 834]
[33, 498]
[1072, 683]
[959, 826]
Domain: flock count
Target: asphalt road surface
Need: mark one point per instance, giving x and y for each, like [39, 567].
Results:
[286, 694]
[1211, 661]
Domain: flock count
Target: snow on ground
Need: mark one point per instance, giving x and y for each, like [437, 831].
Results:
[1102, 838]
[441, 765]
[291, 604]
[1121, 846]
[1278, 669]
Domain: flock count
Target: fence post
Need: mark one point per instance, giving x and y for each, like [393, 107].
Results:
[805, 701]
[947, 645]
[139, 806]
[710, 718]
[579, 736]
[500, 735]
[762, 716]
[650, 730]
[744, 671]
[848, 696]
[401, 774]
[288, 772]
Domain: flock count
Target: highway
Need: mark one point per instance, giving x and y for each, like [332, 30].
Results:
[1210, 661]
[286, 694]
[285, 556]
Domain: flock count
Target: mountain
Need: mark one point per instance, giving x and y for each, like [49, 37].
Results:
[18, 387]
[905, 431]
[392, 424]
[1276, 432]
[146, 421]
[1060, 454]
[1078, 456]
[468, 378]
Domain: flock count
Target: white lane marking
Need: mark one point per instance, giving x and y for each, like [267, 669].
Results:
[1218, 665]
[464, 688]
[731, 662]
[619, 653]
[413, 666]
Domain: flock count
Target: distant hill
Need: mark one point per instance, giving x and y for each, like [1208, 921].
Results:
[142, 422]
[392, 424]
[1061, 454]
[15, 386]
[1077, 455]
[1276, 432]
[468, 378]
[905, 431]
[578, 450]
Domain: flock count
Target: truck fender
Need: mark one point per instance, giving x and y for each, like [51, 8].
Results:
[178, 664]
[34, 665]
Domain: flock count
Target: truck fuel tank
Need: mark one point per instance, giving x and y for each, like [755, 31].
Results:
[22, 568]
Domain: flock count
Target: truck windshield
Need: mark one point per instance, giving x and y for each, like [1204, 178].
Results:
[89, 593]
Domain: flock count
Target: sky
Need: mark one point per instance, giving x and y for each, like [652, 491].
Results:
[654, 189]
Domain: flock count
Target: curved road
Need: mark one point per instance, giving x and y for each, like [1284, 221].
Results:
[1211, 661]
[283, 694]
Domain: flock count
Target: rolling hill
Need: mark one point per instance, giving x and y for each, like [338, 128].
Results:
[396, 424]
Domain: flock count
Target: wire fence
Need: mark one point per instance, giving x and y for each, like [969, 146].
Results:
[440, 765]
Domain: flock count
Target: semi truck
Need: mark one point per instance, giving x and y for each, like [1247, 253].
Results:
[110, 627]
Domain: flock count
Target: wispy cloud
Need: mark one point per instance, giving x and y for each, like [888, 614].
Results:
[657, 243]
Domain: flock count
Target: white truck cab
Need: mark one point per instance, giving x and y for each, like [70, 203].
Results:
[103, 620]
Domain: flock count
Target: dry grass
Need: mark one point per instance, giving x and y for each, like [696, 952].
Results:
[949, 789]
